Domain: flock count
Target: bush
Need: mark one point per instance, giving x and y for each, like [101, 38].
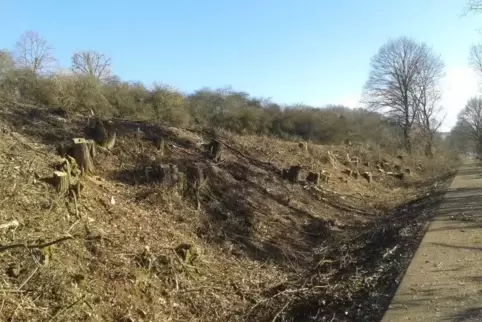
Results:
[168, 106]
[221, 108]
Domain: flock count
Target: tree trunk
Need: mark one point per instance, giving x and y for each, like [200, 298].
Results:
[429, 149]
[84, 152]
[407, 142]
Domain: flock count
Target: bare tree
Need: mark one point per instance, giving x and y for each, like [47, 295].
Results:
[475, 53]
[475, 58]
[400, 74]
[470, 121]
[34, 53]
[6, 63]
[91, 63]
[474, 6]
[426, 96]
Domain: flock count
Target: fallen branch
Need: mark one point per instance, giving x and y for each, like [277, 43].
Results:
[33, 246]
[14, 223]
[270, 166]
[28, 278]
[61, 311]
[281, 311]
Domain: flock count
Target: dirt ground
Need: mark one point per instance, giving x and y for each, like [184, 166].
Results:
[444, 279]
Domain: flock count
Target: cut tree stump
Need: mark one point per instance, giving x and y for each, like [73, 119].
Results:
[196, 180]
[111, 141]
[84, 153]
[159, 144]
[214, 149]
[102, 132]
[170, 176]
[61, 181]
[99, 131]
[313, 177]
[292, 174]
[367, 176]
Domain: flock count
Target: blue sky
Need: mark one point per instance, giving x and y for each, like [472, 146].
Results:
[307, 51]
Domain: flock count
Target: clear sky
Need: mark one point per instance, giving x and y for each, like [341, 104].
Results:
[307, 51]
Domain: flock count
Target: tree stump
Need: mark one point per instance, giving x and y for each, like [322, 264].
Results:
[168, 175]
[84, 152]
[109, 145]
[325, 176]
[99, 132]
[164, 174]
[102, 133]
[215, 149]
[292, 174]
[368, 176]
[313, 177]
[348, 172]
[196, 181]
[61, 181]
[159, 144]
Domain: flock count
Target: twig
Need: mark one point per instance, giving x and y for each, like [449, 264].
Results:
[74, 194]
[73, 225]
[4, 199]
[31, 246]
[28, 278]
[288, 291]
[13, 223]
[3, 290]
[59, 312]
[12, 317]
[200, 289]
[281, 311]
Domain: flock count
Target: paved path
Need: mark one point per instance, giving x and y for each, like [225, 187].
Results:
[444, 279]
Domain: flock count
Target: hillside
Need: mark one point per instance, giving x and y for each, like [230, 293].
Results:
[258, 248]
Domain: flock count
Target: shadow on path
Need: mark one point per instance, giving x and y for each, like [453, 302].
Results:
[442, 282]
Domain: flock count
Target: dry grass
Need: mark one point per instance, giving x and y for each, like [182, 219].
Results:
[258, 249]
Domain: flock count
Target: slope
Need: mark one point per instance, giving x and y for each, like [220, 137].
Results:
[134, 248]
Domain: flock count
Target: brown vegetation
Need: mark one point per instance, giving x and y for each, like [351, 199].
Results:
[225, 241]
